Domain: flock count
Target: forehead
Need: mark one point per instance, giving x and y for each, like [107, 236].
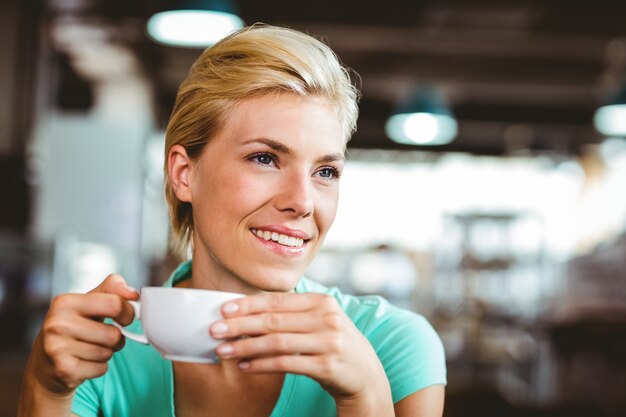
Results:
[287, 118]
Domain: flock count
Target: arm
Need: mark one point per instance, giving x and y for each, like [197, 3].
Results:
[427, 402]
[72, 346]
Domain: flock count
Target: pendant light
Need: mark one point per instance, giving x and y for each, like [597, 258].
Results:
[422, 119]
[194, 23]
[610, 119]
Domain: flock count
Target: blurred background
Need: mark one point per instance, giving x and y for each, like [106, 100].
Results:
[502, 220]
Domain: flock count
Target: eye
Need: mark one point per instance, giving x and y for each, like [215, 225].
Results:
[263, 158]
[329, 173]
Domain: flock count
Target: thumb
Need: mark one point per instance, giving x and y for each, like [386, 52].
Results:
[116, 284]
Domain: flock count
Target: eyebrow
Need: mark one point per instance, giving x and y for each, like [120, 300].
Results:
[281, 148]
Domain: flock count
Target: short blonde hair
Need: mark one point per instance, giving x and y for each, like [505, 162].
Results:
[256, 60]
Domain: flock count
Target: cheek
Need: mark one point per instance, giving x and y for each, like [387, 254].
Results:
[239, 193]
[326, 210]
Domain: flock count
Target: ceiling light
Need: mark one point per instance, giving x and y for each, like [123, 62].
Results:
[423, 119]
[610, 119]
[194, 24]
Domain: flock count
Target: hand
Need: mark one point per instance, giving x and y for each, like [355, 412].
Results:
[74, 344]
[304, 334]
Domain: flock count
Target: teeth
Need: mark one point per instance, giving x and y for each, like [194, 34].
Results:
[280, 238]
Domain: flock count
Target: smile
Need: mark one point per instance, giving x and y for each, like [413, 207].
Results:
[285, 240]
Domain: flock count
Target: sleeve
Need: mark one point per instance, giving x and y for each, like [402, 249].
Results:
[411, 353]
[86, 401]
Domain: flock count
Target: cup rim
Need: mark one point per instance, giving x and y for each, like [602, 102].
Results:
[190, 290]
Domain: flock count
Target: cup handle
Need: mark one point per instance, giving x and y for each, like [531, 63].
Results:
[141, 338]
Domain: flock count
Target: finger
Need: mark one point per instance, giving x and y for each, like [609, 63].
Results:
[90, 352]
[277, 302]
[107, 306]
[319, 368]
[95, 305]
[274, 344]
[101, 334]
[91, 369]
[116, 284]
[72, 371]
[84, 330]
[258, 324]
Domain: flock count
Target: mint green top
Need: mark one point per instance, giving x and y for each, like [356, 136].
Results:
[140, 382]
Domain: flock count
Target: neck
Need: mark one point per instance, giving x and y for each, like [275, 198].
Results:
[220, 387]
[209, 274]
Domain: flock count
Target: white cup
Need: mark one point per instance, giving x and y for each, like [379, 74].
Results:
[176, 322]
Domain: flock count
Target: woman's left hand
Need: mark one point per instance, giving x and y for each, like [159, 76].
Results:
[305, 334]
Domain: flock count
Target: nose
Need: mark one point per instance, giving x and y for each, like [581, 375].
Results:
[296, 196]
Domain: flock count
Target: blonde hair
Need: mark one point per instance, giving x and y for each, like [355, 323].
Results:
[256, 60]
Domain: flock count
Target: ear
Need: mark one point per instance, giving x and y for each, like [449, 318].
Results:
[179, 167]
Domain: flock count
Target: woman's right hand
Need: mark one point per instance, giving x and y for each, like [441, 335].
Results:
[74, 343]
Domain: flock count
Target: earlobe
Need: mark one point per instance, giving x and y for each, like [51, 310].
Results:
[179, 167]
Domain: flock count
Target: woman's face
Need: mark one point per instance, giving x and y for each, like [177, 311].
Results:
[264, 193]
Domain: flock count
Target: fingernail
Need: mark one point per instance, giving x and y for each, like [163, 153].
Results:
[219, 328]
[225, 350]
[244, 365]
[231, 308]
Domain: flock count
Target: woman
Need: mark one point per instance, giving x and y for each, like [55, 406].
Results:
[254, 151]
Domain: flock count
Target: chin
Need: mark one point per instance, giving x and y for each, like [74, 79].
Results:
[274, 281]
